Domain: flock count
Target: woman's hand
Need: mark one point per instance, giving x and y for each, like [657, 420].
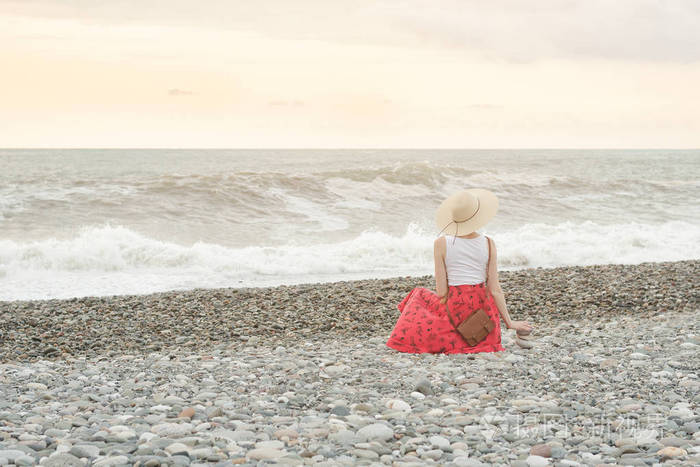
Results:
[521, 326]
[443, 299]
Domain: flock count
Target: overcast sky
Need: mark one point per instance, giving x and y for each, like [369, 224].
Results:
[335, 73]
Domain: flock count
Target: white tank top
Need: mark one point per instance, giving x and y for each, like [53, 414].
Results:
[465, 259]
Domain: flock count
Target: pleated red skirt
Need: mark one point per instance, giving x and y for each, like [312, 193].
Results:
[424, 327]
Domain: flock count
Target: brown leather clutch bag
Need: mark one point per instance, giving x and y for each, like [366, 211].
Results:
[476, 327]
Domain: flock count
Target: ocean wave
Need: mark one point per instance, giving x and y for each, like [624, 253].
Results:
[324, 196]
[107, 260]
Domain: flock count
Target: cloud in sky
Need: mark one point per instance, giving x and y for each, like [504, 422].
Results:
[517, 31]
[179, 92]
[286, 103]
[511, 30]
[483, 106]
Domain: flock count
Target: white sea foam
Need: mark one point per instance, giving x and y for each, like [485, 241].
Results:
[587, 243]
[117, 260]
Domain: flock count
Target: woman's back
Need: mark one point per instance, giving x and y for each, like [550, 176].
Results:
[465, 259]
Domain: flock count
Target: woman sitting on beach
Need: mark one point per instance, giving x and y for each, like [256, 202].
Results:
[461, 277]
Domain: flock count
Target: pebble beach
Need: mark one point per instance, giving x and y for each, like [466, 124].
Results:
[301, 375]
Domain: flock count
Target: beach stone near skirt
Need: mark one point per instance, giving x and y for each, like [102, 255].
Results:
[362, 407]
[691, 427]
[111, 461]
[646, 436]
[465, 461]
[375, 432]
[335, 370]
[424, 386]
[682, 410]
[590, 458]
[265, 454]
[557, 452]
[122, 433]
[542, 450]
[25, 460]
[622, 442]
[398, 404]
[172, 429]
[286, 433]
[459, 446]
[235, 436]
[440, 442]
[536, 461]
[11, 454]
[62, 459]
[608, 363]
[271, 444]
[364, 454]
[36, 386]
[85, 450]
[513, 358]
[673, 441]
[177, 448]
[524, 344]
[180, 460]
[639, 356]
[55, 433]
[154, 462]
[187, 412]
[433, 454]
[671, 451]
[147, 436]
[344, 437]
[340, 410]
[327, 452]
[638, 461]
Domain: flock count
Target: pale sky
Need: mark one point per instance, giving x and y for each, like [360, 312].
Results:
[346, 74]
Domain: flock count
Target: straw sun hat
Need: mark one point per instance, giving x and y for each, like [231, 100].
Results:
[465, 211]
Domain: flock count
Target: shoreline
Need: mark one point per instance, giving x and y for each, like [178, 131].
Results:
[422, 278]
[204, 318]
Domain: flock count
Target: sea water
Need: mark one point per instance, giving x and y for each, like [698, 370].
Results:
[129, 221]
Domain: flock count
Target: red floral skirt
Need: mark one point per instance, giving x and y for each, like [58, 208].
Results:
[424, 327]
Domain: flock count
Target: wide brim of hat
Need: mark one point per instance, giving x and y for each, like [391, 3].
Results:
[488, 206]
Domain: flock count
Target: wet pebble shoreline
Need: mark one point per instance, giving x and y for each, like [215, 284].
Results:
[612, 382]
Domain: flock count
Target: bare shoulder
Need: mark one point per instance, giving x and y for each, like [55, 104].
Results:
[439, 244]
[491, 246]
